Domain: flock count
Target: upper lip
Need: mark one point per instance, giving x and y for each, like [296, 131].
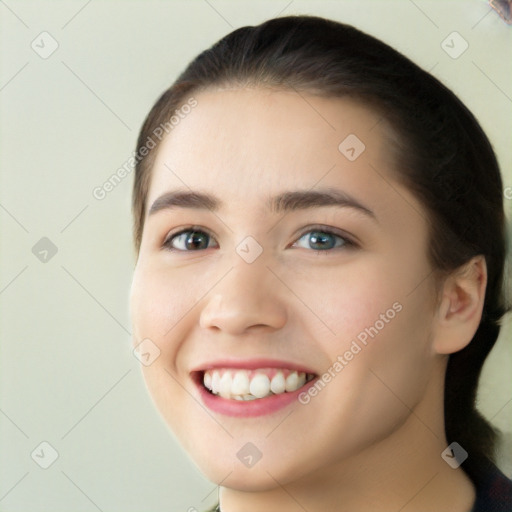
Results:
[251, 364]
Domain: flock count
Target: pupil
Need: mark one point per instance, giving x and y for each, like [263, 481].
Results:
[321, 240]
[194, 241]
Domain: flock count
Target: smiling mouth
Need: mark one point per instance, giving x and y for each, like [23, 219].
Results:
[245, 385]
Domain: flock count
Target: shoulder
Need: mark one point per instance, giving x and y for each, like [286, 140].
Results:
[493, 490]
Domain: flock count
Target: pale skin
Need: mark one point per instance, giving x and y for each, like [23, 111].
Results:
[372, 438]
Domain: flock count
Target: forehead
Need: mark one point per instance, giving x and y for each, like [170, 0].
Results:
[248, 140]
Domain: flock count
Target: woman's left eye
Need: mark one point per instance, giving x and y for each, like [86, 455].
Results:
[322, 240]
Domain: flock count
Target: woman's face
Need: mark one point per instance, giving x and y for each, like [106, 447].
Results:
[307, 259]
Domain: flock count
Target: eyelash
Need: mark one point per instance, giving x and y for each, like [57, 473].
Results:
[348, 243]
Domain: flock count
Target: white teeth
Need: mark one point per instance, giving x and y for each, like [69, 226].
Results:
[240, 385]
[215, 382]
[259, 385]
[253, 384]
[277, 384]
[291, 382]
[295, 381]
[225, 385]
[207, 380]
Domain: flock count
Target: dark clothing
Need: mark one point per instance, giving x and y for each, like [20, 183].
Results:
[493, 490]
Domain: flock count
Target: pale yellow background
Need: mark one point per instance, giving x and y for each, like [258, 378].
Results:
[67, 123]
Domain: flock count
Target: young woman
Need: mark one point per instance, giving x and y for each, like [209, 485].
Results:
[320, 236]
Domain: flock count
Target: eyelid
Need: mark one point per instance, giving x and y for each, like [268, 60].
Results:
[183, 229]
[348, 237]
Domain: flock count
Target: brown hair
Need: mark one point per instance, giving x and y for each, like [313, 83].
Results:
[443, 157]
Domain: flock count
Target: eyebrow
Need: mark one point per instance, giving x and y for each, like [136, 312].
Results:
[284, 202]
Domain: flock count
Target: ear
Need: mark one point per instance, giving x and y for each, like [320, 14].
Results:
[460, 308]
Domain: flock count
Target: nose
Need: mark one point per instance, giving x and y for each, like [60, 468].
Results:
[248, 297]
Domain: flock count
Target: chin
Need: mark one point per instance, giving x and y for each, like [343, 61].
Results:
[263, 476]
[249, 480]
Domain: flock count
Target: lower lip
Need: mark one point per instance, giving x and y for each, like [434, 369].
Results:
[250, 408]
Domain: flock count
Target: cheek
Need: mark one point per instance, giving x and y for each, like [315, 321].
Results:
[159, 304]
[164, 308]
[160, 300]
[364, 295]
[377, 375]
[379, 326]
[351, 297]
[402, 359]
[387, 357]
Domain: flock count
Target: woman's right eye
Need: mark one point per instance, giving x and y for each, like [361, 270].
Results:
[188, 240]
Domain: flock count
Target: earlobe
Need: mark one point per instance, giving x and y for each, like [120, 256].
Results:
[461, 306]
